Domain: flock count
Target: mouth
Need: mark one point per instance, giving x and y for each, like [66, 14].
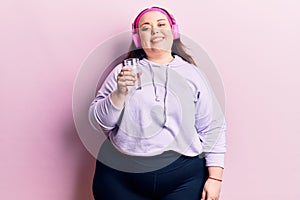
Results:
[157, 39]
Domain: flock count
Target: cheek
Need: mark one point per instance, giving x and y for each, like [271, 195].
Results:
[168, 33]
[144, 37]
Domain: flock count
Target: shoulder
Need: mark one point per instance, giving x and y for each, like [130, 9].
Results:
[113, 71]
[109, 76]
[188, 70]
[194, 76]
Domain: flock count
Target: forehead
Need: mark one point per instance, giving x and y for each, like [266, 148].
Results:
[152, 16]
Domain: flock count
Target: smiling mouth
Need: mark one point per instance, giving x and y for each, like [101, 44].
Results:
[158, 39]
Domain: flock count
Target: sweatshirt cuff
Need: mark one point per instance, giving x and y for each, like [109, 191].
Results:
[214, 159]
[106, 114]
[113, 105]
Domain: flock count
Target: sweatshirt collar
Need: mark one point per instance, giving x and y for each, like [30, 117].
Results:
[176, 62]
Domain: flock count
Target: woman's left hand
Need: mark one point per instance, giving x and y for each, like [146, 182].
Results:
[211, 190]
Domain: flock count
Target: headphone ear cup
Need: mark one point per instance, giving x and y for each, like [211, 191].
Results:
[175, 31]
[136, 40]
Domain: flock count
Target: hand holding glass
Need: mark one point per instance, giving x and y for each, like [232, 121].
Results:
[134, 63]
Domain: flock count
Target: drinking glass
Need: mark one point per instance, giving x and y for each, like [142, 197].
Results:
[134, 64]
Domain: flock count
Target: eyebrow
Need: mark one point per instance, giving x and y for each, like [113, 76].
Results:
[146, 23]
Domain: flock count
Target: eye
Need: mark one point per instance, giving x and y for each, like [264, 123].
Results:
[161, 24]
[145, 28]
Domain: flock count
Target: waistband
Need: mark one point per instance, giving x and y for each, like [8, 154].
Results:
[115, 159]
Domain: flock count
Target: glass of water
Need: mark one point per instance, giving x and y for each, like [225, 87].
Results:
[134, 64]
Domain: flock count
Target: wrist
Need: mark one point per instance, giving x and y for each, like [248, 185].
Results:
[216, 179]
[119, 94]
[117, 99]
[215, 172]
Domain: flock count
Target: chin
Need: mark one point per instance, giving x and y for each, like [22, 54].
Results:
[158, 48]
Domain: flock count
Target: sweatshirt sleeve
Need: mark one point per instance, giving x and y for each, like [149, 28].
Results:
[103, 115]
[210, 125]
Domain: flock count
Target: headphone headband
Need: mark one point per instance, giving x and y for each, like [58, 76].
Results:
[135, 24]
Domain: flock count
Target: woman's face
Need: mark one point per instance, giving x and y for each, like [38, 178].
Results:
[155, 33]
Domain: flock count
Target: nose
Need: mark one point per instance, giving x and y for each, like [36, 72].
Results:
[154, 31]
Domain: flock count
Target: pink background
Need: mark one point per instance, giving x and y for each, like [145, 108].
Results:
[254, 45]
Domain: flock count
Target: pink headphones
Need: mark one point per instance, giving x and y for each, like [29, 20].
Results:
[135, 35]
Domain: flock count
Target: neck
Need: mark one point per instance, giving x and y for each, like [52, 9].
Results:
[161, 59]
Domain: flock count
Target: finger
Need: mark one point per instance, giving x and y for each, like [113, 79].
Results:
[125, 73]
[122, 84]
[203, 195]
[211, 197]
[130, 83]
[131, 74]
[121, 78]
[126, 78]
[125, 83]
[126, 69]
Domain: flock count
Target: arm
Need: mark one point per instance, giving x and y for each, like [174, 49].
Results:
[211, 127]
[106, 108]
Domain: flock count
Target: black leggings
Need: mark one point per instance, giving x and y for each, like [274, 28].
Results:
[182, 179]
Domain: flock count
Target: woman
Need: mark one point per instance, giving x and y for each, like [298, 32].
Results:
[166, 140]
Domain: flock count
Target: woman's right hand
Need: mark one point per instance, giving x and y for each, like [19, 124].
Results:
[125, 78]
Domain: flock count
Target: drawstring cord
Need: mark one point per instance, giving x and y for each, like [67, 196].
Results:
[153, 83]
[166, 90]
[165, 97]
